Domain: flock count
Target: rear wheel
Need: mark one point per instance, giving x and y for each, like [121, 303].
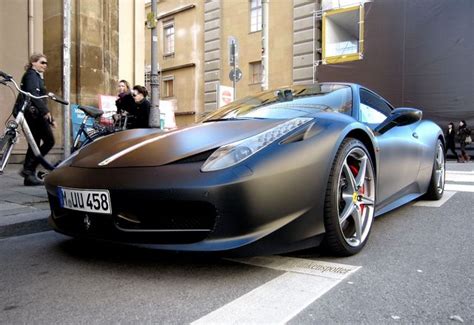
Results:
[436, 187]
[350, 199]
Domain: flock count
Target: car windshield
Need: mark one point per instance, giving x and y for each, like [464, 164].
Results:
[286, 103]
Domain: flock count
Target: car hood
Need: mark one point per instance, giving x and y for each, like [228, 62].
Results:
[152, 147]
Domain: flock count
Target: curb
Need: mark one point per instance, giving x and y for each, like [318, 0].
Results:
[23, 210]
[24, 228]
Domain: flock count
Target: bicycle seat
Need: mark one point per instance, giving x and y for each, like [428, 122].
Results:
[91, 111]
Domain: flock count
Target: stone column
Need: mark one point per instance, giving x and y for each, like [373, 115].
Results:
[94, 51]
[212, 62]
[303, 41]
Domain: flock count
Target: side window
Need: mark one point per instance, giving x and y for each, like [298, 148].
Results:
[373, 109]
[369, 115]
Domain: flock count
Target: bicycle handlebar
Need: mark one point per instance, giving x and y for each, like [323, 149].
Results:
[58, 99]
[5, 75]
[7, 78]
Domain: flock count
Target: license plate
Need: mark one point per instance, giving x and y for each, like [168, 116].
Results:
[95, 201]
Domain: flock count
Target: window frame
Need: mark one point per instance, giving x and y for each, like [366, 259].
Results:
[252, 70]
[343, 57]
[165, 87]
[259, 12]
[167, 44]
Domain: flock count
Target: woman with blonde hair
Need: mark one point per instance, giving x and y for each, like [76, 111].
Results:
[37, 115]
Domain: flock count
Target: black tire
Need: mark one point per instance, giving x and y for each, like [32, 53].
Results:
[438, 175]
[350, 199]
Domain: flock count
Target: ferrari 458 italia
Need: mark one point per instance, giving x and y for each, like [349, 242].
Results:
[283, 170]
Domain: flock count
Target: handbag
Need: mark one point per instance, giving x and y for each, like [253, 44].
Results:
[468, 140]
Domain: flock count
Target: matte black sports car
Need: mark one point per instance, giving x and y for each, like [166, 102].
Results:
[279, 171]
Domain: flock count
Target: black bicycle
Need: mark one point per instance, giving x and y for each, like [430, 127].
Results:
[88, 133]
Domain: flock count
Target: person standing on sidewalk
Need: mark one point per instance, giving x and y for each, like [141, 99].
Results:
[37, 116]
[142, 107]
[450, 136]
[463, 133]
[124, 101]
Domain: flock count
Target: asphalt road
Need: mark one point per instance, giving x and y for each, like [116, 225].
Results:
[416, 268]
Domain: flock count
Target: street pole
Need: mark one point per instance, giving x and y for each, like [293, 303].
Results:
[265, 48]
[154, 120]
[67, 76]
[234, 86]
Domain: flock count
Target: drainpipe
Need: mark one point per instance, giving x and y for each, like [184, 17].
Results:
[265, 47]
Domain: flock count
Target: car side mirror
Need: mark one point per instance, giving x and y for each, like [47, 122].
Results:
[399, 117]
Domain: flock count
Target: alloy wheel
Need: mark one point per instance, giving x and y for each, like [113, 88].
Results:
[356, 195]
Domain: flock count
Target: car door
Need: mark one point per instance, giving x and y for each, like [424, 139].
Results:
[398, 150]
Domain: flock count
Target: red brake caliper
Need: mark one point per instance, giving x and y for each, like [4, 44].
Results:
[355, 171]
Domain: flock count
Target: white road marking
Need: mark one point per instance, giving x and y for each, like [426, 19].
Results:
[436, 204]
[459, 188]
[458, 177]
[300, 265]
[465, 172]
[281, 299]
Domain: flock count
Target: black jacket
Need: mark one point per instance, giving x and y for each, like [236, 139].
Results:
[463, 133]
[141, 114]
[450, 137]
[125, 103]
[33, 83]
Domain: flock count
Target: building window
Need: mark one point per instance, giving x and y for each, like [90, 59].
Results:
[168, 37]
[342, 35]
[167, 87]
[255, 72]
[255, 15]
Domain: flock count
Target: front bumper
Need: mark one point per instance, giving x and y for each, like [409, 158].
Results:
[180, 208]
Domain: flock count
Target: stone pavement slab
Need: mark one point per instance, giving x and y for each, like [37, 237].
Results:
[22, 208]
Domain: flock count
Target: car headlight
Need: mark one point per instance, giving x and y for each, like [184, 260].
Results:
[233, 153]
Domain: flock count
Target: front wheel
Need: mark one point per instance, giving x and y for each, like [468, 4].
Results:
[350, 199]
[6, 147]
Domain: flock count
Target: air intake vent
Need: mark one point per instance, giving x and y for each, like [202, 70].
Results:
[195, 158]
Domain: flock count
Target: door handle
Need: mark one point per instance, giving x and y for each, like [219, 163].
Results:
[415, 135]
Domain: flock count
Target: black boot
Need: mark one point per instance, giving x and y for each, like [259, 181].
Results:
[25, 173]
[32, 180]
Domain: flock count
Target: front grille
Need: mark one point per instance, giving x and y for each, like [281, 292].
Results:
[141, 221]
[167, 215]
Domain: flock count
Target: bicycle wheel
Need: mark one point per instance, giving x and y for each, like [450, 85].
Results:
[6, 148]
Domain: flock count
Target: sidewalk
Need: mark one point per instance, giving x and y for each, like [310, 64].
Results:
[23, 209]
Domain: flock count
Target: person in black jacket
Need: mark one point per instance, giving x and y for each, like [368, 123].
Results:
[463, 133]
[124, 102]
[141, 111]
[37, 116]
[450, 136]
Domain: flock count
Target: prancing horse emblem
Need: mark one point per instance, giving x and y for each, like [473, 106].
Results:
[87, 222]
